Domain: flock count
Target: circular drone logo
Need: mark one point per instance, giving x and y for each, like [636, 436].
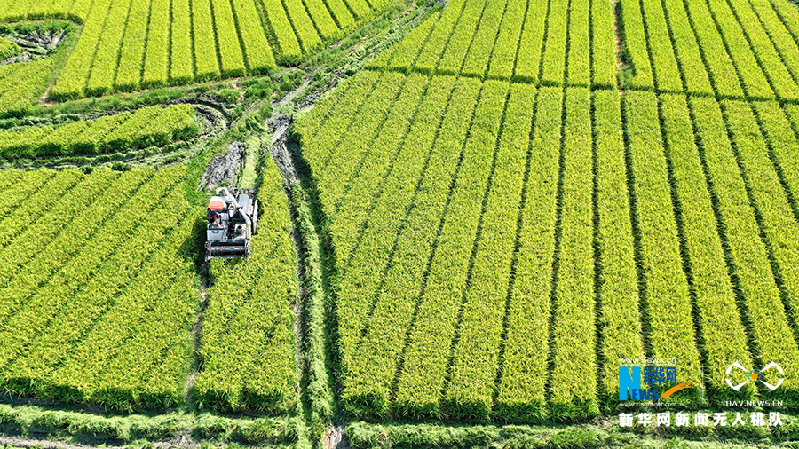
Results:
[755, 376]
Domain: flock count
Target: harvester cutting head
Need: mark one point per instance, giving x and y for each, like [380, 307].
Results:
[232, 221]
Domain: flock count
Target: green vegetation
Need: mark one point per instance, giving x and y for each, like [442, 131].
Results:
[8, 49]
[505, 279]
[473, 233]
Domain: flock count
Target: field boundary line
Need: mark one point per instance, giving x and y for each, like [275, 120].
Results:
[597, 250]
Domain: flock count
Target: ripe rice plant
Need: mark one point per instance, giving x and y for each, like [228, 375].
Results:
[603, 57]
[101, 77]
[469, 393]
[579, 58]
[426, 360]
[131, 44]
[520, 395]
[765, 53]
[506, 47]
[257, 49]
[131, 55]
[635, 40]
[73, 283]
[711, 286]
[206, 59]
[767, 323]
[531, 46]
[369, 370]
[753, 79]
[485, 39]
[156, 56]
[181, 63]
[664, 63]
[554, 53]
[429, 56]
[721, 71]
[573, 350]
[689, 55]
[451, 61]
[227, 39]
[619, 320]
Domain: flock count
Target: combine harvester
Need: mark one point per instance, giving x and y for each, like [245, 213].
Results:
[232, 221]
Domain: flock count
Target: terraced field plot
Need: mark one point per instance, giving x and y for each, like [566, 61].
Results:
[248, 331]
[132, 44]
[118, 132]
[84, 297]
[505, 232]
[100, 295]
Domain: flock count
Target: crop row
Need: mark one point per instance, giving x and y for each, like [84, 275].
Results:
[520, 394]
[25, 183]
[130, 44]
[573, 338]
[369, 370]
[637, 226]
[748, 253]
[248, 341]
[730, 47]
[666, 302]
[513, 39]
[132, 274]
[8, 49]
[146, 127]
[440, 305]
[471, 386]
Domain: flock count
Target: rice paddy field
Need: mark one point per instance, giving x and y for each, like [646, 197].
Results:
[482, 223]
